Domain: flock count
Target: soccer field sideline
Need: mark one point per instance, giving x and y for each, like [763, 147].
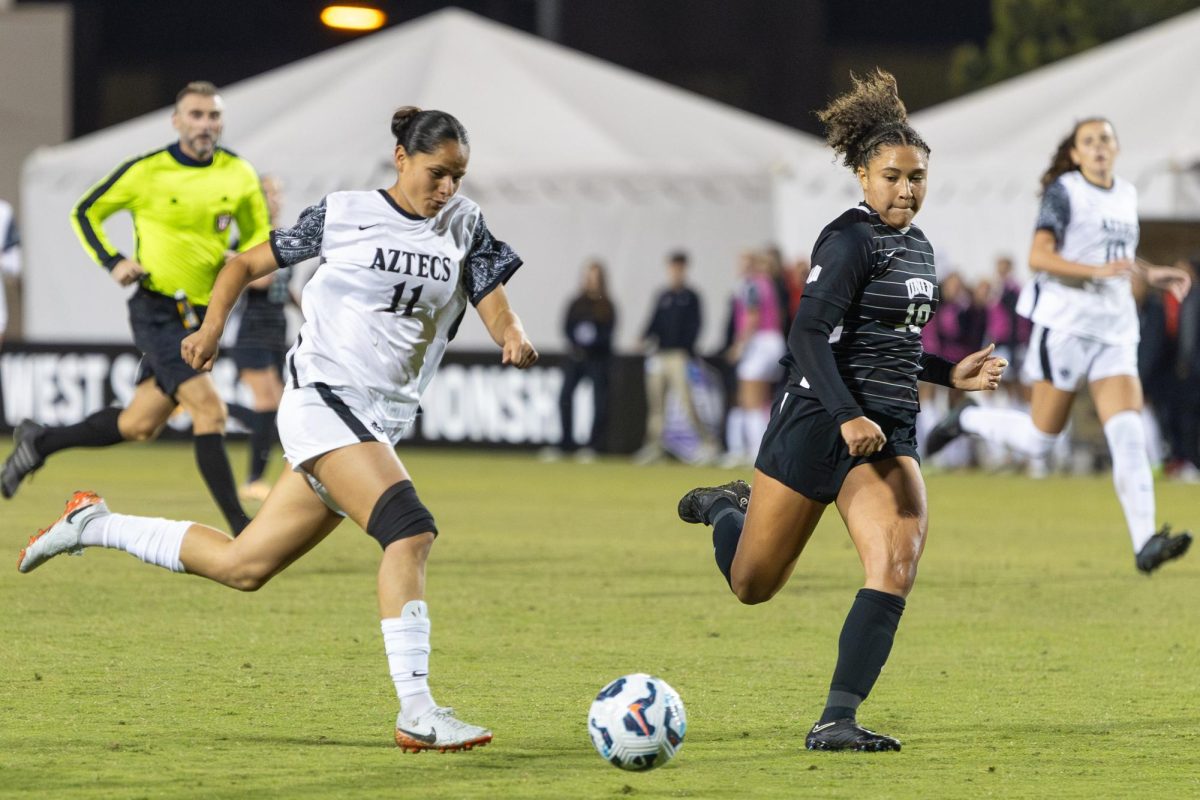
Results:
[1032, 661]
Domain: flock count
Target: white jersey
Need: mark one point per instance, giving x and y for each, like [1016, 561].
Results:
[388, 295]
[1092, 225]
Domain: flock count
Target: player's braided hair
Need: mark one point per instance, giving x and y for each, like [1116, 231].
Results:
[420, 131]
[1061, 163]
[869, 116]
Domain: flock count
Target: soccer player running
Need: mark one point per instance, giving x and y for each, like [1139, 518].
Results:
[844, 431]
[399, 267]
[1085, 330]
[183, 199]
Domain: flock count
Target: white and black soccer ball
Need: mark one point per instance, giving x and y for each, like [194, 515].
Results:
[637, 722]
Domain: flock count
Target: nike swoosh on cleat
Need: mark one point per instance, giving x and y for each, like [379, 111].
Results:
[427, 738]
[819, 728]
[71, 516]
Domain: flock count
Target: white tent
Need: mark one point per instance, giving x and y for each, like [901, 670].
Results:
[572, 158]
[991, 147]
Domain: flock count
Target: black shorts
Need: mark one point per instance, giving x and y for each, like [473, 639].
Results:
[257, 358]
[803, 447]
[157, 333]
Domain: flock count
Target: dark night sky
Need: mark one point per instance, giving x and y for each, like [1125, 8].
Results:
[776, 58]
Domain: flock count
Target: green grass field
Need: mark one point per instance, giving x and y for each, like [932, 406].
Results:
[1033, 661]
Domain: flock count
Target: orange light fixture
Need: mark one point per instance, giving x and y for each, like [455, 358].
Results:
[353, 18]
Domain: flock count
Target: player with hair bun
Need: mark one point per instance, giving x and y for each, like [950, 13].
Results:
[399, 267]
[1086, 329]
[844, 431]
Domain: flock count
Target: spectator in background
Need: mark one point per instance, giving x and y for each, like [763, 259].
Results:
[1169, 367]
[588, 325]
[670, 342]
[10, 260]
[773, 259]
[758, 345]
[1008, 329]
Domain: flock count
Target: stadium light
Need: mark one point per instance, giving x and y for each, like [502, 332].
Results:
[353, 18]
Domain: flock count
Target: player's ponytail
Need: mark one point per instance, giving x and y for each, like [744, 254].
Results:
[420, 131]
[866, 118]
[1061, 163]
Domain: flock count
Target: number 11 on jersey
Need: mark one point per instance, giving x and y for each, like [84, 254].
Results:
[398, 295]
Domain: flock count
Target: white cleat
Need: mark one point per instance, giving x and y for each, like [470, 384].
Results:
[64, 535]
[438, 729]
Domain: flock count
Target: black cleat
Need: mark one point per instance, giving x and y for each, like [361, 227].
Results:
[696, 504]
[24, 459]
[1161, 548]
[948, 428]
[846, 734]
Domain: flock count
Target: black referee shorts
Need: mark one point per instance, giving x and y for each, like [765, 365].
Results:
[158, 333]
[803, 447]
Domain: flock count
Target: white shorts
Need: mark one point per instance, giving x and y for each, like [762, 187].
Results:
[760, 358]
[1067, 360]
[314, 420]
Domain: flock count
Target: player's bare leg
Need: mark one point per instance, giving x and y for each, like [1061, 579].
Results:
[292, 522]
[368, 481]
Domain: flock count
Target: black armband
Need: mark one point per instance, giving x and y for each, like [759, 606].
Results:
[935, 369]
[808, 341]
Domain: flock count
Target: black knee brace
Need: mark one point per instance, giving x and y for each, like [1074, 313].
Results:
[399, 514]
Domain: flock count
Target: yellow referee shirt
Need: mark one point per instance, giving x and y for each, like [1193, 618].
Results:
[182, 211]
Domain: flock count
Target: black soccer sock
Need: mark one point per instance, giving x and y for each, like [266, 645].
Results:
[242, 414]
[727, 520]
[262, 437]
[214, 468]
[98, 430]
[863, 649]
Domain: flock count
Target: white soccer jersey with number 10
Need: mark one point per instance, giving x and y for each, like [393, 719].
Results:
[389, 293]
[1092, 225]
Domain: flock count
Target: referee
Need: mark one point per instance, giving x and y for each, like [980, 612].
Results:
[184, 200]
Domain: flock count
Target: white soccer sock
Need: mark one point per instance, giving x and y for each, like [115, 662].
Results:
[754, 423]
[735, 432]
[1131, 474]
[1009, 427]
[152, 539]
[406, 641]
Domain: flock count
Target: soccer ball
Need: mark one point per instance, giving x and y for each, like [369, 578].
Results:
[637, 722]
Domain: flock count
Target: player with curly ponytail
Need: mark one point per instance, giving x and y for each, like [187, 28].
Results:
[845, 430]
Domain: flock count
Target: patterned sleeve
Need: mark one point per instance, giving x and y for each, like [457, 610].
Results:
[302, 241]
[1055, 213]
[489, 263]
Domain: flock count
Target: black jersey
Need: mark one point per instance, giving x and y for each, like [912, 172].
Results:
[885, 282]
